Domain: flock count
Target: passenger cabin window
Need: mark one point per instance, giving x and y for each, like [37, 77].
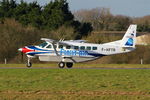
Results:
[43, 45]
[49, 46]
[82, 48]
[68, 47]
[60, 46]
[94, 48]
[88, 48]
[76, 47]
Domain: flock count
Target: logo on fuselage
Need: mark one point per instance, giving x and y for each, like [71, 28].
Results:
[73, 52]
[129, 42]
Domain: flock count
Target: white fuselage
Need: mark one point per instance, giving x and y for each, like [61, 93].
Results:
[78, 52]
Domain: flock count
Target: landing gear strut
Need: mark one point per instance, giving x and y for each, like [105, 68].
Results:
[29, 64]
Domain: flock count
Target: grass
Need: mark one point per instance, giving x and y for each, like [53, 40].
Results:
[83, 65]
[74, 84]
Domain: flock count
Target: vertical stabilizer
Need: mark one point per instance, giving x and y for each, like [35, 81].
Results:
[129, 38]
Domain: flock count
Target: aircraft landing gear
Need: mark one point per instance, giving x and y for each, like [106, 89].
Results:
[29, 64]
[61, 65]
[68, 64]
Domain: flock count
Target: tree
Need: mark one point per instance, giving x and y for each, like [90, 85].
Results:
[7, 8]
[98, 17]
[122, 22]
[143, 23]
[56, 14]
[21, 12]
[34, 15]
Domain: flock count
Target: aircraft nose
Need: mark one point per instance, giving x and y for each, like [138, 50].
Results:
[25, 49]
[20, 49]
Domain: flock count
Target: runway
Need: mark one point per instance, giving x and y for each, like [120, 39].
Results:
[65, 68]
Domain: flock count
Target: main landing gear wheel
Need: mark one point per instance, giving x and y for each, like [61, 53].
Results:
[69, 65]
[61, 65]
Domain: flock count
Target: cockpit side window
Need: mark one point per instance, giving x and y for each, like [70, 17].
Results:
[43, 45]
[49, 46]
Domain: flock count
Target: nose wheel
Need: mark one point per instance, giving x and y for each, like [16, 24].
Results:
[29, 64]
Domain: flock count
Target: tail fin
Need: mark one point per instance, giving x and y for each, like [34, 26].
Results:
[129, 38]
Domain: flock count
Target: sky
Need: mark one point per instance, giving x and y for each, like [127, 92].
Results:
[132, 8]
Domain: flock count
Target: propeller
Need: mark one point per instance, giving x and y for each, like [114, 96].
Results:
[20, 49]
[21, 56]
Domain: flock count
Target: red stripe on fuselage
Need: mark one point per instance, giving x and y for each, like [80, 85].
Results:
[25, 50]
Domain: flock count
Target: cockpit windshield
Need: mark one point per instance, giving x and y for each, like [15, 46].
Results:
[43, 45]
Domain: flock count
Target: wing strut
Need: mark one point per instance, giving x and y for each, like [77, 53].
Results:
[55, 49]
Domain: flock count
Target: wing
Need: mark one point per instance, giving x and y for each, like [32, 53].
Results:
[48, 40]
[69, 42]
[55, 41]
[77, 41]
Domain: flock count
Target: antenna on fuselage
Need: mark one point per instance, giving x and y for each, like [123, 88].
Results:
[61, 40]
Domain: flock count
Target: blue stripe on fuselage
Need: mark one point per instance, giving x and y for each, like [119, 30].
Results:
[34, 53]
[64, 52]
[35, 48]
[96, 54]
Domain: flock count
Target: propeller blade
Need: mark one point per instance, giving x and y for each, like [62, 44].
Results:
[21, 56]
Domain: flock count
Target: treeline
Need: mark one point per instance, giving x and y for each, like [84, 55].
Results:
[52, 16]
[103, 20]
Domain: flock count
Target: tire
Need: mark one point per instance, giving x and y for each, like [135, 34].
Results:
[61, 65]
[69, 65]
[29, 64]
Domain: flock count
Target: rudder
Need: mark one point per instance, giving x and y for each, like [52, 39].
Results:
[129, 38]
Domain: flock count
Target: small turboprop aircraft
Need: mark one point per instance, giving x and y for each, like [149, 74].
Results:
[73, 51]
